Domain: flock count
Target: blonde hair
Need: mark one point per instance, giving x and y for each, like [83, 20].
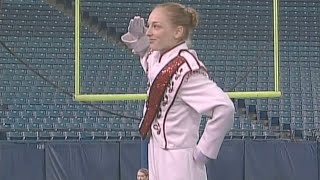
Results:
[144, 171]
[180, 15]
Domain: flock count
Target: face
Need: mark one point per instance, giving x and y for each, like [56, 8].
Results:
[163, 35]
[141, 176]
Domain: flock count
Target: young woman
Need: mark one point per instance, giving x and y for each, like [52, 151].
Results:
[179, 93]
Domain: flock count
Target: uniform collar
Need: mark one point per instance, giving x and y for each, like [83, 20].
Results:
[172, 53]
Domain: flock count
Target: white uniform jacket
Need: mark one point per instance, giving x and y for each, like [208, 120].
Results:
[191, 94]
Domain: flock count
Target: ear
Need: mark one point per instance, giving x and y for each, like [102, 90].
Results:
[179, 32]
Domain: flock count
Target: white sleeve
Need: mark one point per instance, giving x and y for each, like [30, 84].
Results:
[138, 46]
[143, 60]
[204, 96]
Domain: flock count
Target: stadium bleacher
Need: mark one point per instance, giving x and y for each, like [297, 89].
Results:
[233, 35]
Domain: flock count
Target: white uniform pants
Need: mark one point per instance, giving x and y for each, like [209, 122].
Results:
[174, 164]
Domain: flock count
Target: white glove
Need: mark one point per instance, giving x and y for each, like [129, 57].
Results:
[198, 156]
[137, 27]
[136, 38]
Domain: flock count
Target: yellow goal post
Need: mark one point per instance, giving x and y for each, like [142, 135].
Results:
[78, 96]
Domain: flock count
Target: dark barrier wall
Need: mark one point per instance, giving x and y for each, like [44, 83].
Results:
[92, 160]
[280, 160]
[82, 161]
[22, 161]
[129, 159]
[230, 163]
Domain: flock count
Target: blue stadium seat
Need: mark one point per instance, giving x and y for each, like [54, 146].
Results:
[30, 135]
[86, 135]
[87, 126]
[235, 132]
[112, 135]
[257, 130]
[57, 135]
[33, 127]
[72, 135]
[46, 127]
[99, 135]
[18, 126]
[44, 135]
[15, 135]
